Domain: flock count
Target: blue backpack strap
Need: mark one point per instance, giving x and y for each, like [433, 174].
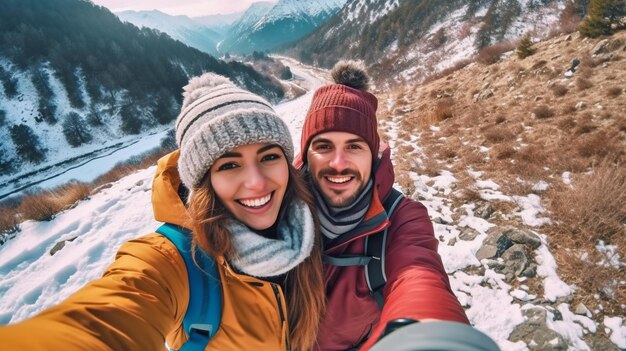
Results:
[204, 312]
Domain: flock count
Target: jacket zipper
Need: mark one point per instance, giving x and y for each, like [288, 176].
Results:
[280, 311]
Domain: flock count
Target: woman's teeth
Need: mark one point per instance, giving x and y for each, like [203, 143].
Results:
[256, 202]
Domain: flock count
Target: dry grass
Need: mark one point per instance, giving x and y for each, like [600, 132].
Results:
[491, 54]
[583, 83]
[9, 221]
[543, 111]
[614, 92]
[524, 150]
[559, 90]
[44, 205]
[498, 134]
[596, 283]
[594, 208]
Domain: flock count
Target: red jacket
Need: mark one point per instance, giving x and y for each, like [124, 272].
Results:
[417, 284]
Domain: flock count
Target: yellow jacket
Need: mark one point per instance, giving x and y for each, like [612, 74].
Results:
[141, 299]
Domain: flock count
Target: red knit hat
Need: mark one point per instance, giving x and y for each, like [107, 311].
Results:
[346, 106]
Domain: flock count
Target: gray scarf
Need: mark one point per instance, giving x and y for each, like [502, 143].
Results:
[335, 221]
[259, 256]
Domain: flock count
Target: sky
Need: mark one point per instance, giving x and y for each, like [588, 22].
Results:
[191, 8]
[31, 279]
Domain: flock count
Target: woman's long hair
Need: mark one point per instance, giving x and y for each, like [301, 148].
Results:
[304, 287]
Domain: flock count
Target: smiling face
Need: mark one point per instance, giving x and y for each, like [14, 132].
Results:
[340, 164]
[251, 182]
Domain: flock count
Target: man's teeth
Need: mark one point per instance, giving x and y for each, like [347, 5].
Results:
[256, 202]
[338, 179]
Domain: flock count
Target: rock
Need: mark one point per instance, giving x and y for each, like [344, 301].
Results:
[496, 265]
[582, 310]
[60, 245]
[468, 234]
[574, 64]
[580, 105]
[515, 260]
[494, 245]
[483, 95]
[535, 332]
[600, 342]
[531, 271]
[440, 220]
[484, 211]
[568, 74]
[452, 242]
[522, 236]
[601, 47]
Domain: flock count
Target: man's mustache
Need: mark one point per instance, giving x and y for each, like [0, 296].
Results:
[346, 172]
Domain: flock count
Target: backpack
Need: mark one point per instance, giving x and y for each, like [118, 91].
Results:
[374, 256]
[204, 311]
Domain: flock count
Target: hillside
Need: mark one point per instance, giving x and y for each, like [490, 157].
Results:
[267, 28]
[74, 80]
[405, 40]
[536, 130]
[183, 28]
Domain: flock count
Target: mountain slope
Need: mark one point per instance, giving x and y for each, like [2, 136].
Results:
[180, 28]
[74, 79]
[285, 22]
[410, 40]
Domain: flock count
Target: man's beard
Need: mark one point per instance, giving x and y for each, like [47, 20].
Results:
[350, 199]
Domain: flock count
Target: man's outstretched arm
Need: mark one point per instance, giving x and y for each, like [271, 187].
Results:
[417, 284]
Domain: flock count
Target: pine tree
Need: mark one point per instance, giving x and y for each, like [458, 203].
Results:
[601, 14]
[163, 112]
[525, 47]
[27, 143]
[131, 122]
[75, 130]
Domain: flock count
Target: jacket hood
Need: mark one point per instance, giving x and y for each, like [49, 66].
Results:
[167, 205]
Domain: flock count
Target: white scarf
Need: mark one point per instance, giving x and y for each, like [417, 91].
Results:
[259, 256]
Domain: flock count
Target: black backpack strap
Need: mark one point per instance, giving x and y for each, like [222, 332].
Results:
[374, 255]
[375, 247]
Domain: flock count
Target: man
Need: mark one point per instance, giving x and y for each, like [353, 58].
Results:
[351, 176]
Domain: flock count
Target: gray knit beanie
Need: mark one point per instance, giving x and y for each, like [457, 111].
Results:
[216, 117]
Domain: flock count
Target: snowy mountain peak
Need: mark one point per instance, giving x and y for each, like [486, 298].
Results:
[287, 8]
[255, 12]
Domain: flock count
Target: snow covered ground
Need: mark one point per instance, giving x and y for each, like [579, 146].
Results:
[31, 279]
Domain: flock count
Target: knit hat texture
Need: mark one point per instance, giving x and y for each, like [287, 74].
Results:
[216, 117]
[345, 106]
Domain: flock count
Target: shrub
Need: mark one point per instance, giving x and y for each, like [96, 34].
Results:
[131, 122]
[525, 47]
[169, 141]
[614, 92]
[569, 20]
[45, 205]
[497, 134]
[443, 110]
[559, 90]
[9, 223]
[594, 208]
[583, 83]
[543, 111]
[27, 143]
[75, 130]
[491, 54]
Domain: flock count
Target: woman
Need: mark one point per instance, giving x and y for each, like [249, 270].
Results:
[247, 208]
